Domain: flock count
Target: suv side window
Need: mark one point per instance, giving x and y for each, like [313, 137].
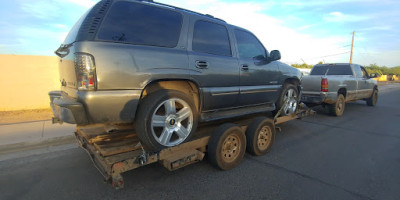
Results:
[248, 45]
[139, 24]
[211, 38]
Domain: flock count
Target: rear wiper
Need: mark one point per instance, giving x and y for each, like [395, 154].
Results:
[63, 50]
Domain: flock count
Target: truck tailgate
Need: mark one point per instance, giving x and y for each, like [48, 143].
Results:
[311, 83]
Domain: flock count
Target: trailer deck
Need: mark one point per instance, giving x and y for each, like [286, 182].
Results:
[117, 150]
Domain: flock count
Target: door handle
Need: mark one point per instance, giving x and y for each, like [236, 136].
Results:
[245, 68]
[201, 64]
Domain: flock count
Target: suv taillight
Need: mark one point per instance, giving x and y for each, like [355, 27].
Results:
[324, 85]
[85, 71]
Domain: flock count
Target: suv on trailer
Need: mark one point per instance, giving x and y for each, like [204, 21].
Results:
[164, 69]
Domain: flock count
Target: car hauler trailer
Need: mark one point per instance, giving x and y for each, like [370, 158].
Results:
[115, 150]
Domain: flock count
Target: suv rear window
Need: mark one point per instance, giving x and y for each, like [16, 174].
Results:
[211, 38]
[333, 70]
[139, 24]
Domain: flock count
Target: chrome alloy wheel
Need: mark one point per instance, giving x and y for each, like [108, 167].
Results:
[291, 105]
[172, 122]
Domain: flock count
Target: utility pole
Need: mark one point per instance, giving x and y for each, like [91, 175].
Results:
[351, 53]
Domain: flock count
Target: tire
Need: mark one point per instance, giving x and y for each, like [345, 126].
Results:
[291, 91]
[260, 136]
[226, 147]
[337, 108]
[166, 118]
[373, 99]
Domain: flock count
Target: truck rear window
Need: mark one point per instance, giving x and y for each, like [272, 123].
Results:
[331, 70]
[134, 23]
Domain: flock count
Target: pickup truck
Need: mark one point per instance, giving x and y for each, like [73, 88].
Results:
[335, 84]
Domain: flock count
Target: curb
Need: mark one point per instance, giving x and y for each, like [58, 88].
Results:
[32, 145]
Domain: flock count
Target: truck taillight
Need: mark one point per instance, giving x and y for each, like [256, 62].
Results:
[324, 85]
[85, 71]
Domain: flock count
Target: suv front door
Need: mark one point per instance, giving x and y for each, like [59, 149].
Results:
[212, 65]
[259, 79]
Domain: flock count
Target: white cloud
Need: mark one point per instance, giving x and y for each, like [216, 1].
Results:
[84, 3]
[294, 46]
[304, 27]
[61, 26]
[36, 40]
[340, 17]
[40, 9]
[379, 28]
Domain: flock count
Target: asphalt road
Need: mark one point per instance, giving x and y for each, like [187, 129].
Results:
[356, 156]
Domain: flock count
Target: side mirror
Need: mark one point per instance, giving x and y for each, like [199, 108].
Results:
[275, 55]
[373, 75]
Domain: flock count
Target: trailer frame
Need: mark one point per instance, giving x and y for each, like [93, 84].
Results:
[116, 149]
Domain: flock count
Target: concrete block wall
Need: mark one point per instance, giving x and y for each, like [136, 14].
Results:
[25, 81]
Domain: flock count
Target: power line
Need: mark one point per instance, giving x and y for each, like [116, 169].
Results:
[331, 55]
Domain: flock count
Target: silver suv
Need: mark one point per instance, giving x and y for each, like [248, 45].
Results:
[163, 69]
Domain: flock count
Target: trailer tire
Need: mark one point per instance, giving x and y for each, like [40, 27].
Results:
[337, 108]
[260, 136]
[226, 147]
[166, 118]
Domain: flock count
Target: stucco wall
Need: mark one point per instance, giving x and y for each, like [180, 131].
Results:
[26, 80]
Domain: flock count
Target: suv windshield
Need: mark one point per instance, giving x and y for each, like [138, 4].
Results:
[331, 70]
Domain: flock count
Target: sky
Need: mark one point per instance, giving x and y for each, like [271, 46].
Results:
[303, 31]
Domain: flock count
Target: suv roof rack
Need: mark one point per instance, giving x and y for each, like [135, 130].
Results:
[182, 9]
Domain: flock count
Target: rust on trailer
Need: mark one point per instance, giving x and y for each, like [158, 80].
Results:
[115, 150]
[112, 148]
[194, 144]
[284, 119]
[110, 137]
[182, 158]
[300, 113]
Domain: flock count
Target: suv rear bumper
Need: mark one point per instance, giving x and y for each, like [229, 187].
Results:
[66, 109]
[95, 107]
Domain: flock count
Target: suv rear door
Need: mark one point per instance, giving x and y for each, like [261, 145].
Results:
[212, 64]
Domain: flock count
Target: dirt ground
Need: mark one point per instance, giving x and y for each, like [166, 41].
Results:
[9, 117]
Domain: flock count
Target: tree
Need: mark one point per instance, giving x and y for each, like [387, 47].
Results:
[383, 70]
[303, 66]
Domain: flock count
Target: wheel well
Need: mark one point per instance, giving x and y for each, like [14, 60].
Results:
[185, 86]
[295, 82]
[342, 91]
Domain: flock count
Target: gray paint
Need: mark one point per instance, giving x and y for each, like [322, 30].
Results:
[357, 87]
[124, 70]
